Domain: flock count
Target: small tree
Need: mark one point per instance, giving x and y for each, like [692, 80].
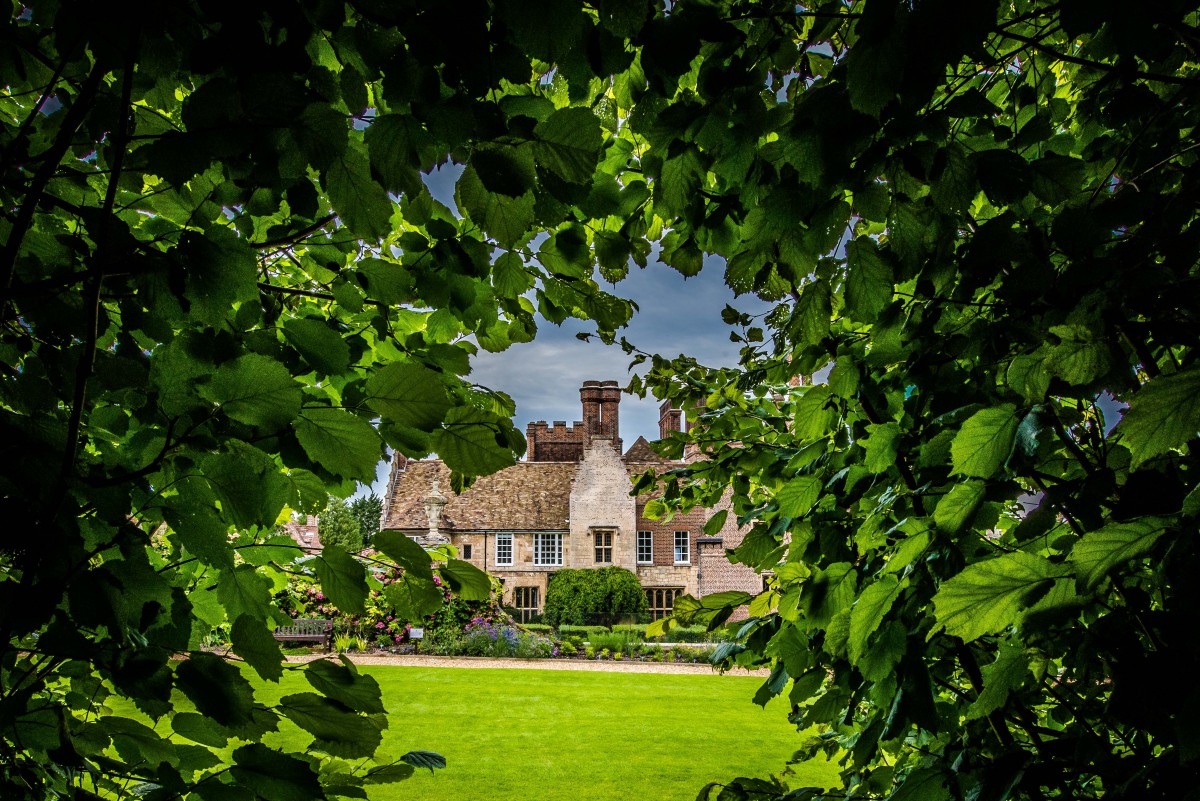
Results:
[338, 526]
[367, 510]
[585, 597]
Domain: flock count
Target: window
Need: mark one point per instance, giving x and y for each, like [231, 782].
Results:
[504, 549]
[645, 547]
[466, 551]
[683, 553]
[661, 600]
[547, 549]
[604, 546]
[525, 601]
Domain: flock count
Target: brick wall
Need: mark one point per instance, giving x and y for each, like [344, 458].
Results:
[555, 443]
[664, 533]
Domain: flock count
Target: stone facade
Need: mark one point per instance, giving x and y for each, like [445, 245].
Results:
[568, 505]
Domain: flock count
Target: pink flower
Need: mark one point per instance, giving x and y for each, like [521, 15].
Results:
[379, 625]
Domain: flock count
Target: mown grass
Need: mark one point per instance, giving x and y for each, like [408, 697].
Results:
[552, 735]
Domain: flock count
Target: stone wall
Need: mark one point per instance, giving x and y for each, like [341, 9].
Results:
[600, 500]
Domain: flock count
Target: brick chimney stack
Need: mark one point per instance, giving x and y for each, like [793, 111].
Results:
[610, 399]
[670, 420]
[589, 394]
[601, 416]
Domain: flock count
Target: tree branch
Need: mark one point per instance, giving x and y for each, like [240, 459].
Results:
[1084, 62]
[293, 238]
[50, 160]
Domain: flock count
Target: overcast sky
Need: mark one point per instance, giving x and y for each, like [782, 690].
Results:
[676, 315]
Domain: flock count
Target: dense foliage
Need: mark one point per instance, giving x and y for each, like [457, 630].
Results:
[220, 265]
[593, 597]
[223, 288]
[338, 525]
[982, 217]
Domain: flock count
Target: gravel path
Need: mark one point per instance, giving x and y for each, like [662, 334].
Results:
[608, 666]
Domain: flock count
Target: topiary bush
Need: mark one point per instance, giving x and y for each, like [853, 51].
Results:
[583, 597]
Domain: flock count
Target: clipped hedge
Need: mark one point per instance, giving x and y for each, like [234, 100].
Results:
[538, 628]
[581, 597]
[582, 631]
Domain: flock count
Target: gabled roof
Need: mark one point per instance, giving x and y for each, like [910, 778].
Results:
[640, 451]
[529, 496]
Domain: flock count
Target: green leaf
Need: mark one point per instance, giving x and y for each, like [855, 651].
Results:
[504, 170]
[405, 551]
[984, 442]
[466, 581]
[470, 442]
[874, 72]
[251, 640]
[1079, 358]
[221, 273]
[989, 596]
[413, 597]
[335, 729]
[395, 143]
[1161, 416]
[880, 447]
[923, 784]
[510, 277]
[341, 442]
[1099, 551]
[798, 496]
[245, 591]
[424, 759]
[505, 217]
[569, 144]
[829, 592]
[868, 612]
[202, 533]
[957, 507]
[711, 610]
[868, 280]
[318, 343]
[200, 729]
[1000, 678]
[217, 688]
[343, 579]
[716, 523]
[409, 394]
[248, 484]
[679, 184]
[273, 775]
[344, 684]
[256, 390]
[385, 281]
[360, 203]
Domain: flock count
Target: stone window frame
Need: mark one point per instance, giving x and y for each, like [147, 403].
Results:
[467, 550]
[547, 550]
[504, 544]
[603, 540]
[684, 538]
[645, 547]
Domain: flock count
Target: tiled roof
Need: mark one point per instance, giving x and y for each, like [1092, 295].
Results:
[529, 496]
[640, 452]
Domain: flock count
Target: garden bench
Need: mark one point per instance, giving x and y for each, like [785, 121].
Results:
[318, 631]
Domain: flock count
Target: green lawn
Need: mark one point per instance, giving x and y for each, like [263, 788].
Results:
[574, 735]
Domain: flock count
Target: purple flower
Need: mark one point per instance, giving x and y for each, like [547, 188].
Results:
[379, 625]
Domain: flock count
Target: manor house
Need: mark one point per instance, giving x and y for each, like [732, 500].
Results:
[568, 505]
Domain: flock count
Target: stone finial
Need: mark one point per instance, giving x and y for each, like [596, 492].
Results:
[434, 503]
